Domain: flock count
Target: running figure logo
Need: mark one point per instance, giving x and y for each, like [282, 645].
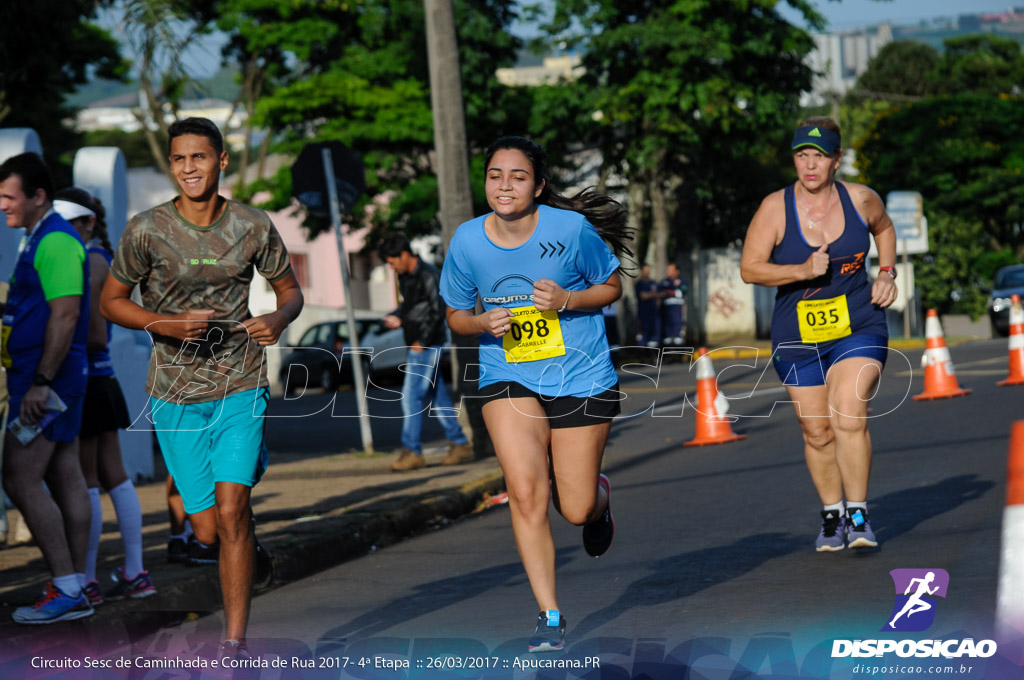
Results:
[914, 610]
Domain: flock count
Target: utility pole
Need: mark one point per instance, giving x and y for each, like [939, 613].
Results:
[452, 164]
[454, 191]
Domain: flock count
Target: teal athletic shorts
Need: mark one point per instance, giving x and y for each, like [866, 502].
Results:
[210, 442]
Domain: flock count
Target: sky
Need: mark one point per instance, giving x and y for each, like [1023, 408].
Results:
[858, 13]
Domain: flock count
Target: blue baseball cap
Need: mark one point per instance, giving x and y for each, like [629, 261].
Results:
[820, 138]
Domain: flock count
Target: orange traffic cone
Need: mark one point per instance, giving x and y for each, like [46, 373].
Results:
[1016, 344]
[939, 375]
[712, 427]
[1010, 598]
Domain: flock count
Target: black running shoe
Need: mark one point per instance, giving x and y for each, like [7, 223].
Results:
[598, 535]
[263, 563]
[177, 551]
[199, 554]
[550, 633]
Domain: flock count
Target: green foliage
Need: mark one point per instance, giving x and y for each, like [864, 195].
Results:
[902, 67]
[983, 64]
[947, 276]
[357, 72]
[46, 50]
[702, 91]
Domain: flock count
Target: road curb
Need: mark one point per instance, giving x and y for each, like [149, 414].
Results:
[311, 547]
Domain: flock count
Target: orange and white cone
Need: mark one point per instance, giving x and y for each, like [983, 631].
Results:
[1010, 598]
[1016, 344]
[712, 425]
[939, 375]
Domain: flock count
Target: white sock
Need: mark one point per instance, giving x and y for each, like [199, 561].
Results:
[95, 530]
[69, 585]
[863, 505]
[838, 507]
[129, 519]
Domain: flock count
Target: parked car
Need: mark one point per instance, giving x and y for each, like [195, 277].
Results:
[1008, 281]
[316, 357]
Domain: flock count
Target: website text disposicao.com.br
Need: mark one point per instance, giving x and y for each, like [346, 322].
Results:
[911, 670]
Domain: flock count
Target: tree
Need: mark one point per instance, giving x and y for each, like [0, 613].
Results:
[358, 74]
[695, 100]
[965, 154]
[46, 51]
[160, 31]
[903, 68]
[982, 63]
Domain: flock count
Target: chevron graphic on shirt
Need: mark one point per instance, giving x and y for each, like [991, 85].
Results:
[550, 249]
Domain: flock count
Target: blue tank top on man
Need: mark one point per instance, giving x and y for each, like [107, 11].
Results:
[846, 274]
[100, 363]
[564, 248]
[28, 312]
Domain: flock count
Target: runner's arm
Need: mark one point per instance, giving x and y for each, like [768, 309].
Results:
[763, 234]
[97, 324]
[548, 295]
[266, 329]
[116, 305]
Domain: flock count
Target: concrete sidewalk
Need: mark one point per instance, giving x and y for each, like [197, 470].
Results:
[312, 513]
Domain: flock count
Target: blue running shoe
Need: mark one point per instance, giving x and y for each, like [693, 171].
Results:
[53, 606]
[550, 633]
[832, 534]
[858, 528]
[598, 535]
[137, 588]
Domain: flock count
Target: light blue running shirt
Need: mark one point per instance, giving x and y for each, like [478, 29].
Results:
[564, 248]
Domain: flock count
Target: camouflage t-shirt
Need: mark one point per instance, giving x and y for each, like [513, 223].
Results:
[180, 266]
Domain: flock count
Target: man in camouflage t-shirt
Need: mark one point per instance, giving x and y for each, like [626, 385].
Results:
[193, 259]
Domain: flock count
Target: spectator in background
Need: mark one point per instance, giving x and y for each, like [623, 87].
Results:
[421, 317]
[647, 297]
[104, 413]
[46, 326]
[672, 291]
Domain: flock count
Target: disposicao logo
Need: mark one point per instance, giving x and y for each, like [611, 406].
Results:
[914, 611]
[914, 608]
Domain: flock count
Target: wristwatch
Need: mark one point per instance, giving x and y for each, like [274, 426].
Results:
[891, 271]
[42, 380]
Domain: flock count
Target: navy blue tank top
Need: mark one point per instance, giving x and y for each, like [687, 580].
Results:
[836, 304]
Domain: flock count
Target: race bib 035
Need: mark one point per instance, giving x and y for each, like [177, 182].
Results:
[823, 320]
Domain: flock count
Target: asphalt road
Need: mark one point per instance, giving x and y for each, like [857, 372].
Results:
[713, 572]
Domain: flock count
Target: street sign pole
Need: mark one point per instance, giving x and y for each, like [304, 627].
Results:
[353, 330]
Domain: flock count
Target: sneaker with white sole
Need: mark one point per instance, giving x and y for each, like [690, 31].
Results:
[833, 533]
[136, 588]
[549, 635]
[858, 528]
[53, 606]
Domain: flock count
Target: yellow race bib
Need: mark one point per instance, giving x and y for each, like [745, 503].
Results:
[5, 355]
[823, 320]
[534, 335]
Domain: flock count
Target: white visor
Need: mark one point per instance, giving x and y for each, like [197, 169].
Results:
[71, 211]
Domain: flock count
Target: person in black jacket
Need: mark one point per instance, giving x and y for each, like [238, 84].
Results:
[421, 315]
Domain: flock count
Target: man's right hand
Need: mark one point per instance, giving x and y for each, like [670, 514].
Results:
[392, 321]
[33, 404]
[188, 325]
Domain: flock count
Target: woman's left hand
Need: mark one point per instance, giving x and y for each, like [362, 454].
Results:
[548, 295]
[883, 290]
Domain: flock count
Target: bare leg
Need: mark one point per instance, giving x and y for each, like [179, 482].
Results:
[811, 404]
[519, 430]
[851, 384]
[576, 454]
